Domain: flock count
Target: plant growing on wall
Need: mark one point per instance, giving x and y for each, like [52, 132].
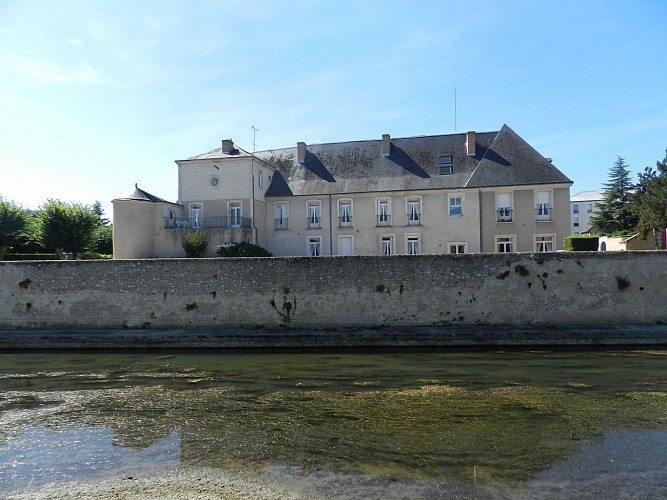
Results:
[195, 244]
[288, 307]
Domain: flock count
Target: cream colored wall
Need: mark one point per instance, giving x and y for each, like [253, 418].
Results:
[436, 231]
[194, 180]
[524, 226]
[138, 228]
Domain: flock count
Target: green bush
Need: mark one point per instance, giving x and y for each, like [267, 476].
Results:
[581, 243]
[240, 250]
[195, 244]
[96, 256]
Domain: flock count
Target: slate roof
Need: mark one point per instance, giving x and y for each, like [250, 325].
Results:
[501, 158]
[141, 195]
[588, 196]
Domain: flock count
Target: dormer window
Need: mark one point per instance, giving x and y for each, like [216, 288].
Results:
[445, 164]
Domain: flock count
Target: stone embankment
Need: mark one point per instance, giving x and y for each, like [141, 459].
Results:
[499, 299]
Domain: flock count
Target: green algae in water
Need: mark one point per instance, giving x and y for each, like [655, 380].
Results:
[496, 418]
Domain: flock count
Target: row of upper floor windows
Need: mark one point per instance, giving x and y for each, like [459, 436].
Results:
[413, 210]
[590, 208]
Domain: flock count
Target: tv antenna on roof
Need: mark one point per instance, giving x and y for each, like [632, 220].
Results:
[254, 130]
[454, 109]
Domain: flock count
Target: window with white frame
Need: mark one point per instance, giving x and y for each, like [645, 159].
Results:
[543, 210]
[234, 211]
[575, 221]
[387, 244]
[414, 211]
[544, 242]
[445, 164]
[575, 208]
[346, 245]
[383, 212]
[314, 215]
[504, 207]
[457, 247]
[345, 213]
[505, 243]
[589, 208]
[281, 215]
[455, 205]
[259, 179]
[314, 248]
[412, 244]
[196, 215]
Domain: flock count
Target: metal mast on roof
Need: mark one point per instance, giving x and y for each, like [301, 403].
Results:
[254, 130]
[454, 109]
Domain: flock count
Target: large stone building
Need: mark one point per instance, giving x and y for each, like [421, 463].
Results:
[455, 193]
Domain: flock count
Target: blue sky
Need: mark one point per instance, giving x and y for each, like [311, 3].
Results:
[98, 95]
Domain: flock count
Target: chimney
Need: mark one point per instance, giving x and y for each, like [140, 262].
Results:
[301, 152]
[470, 143]
[227, 146]
[386, 145]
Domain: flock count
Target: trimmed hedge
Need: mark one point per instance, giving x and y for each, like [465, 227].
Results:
[581, 243]
[241, 250]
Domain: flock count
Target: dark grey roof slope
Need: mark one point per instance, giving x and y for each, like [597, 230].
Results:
[141, 195]
[511, 161]
[501, 159]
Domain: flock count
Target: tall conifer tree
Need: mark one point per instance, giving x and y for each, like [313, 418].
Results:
[616, 214]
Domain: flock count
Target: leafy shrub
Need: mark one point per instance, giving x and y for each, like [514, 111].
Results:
[96, 256]
[581, 243]
[195, 244]
[241, 250]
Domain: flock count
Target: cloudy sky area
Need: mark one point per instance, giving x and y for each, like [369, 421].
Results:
[100, 95]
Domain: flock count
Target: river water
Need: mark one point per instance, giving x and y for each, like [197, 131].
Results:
[380, 424]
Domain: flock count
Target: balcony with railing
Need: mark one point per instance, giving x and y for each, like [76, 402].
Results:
[414, 219]
[314, 222]
[544, 214]
[224, 222]
[345, 221]
[504, 214]
[383, 220]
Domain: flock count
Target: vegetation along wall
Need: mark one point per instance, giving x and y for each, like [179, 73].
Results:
[500, 289]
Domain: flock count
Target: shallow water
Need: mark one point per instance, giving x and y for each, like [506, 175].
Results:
[484, 424]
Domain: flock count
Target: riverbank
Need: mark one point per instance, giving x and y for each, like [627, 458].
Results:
[184, 483]
[290, 338]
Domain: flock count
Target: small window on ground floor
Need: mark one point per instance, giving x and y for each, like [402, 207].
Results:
[544, 242]
[412, 244]
[387, 245]
[314, 248]
[457, 247]
[505, 244]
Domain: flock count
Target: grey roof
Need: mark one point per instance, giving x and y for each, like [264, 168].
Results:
[588, 196]
[501, 158]
[141, 195]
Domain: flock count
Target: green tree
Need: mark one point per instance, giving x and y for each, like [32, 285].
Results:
[13, 220]
[650, 202]
[616, 213]
[67, 227]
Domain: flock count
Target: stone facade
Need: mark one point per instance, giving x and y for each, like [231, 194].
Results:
[456, 193]
[548, 289]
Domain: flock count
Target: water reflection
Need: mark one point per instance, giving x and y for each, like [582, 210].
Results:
[40, 456]
[527, 421]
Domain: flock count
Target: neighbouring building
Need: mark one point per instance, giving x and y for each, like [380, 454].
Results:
[583, 207]
[454, 193]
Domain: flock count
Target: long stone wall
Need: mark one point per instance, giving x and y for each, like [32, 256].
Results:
[336, 292]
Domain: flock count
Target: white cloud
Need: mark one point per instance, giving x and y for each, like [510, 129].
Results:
[52, 73]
